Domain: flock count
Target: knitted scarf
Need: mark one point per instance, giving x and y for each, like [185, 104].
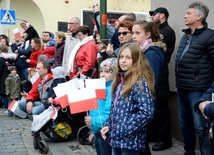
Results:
[145, 44]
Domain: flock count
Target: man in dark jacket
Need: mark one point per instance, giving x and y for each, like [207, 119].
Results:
[162, 118]
[194, 71]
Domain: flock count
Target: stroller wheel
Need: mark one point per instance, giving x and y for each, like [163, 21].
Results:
[35, 142]
[82, 135]
[43, 147]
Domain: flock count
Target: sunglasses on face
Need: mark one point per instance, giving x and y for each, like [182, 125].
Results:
[123, 33]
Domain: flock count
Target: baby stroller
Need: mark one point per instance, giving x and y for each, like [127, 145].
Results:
[64, 127]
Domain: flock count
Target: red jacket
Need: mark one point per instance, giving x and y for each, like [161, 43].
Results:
[34, 58]
[85, 58]
[37, 91]
[49, 51]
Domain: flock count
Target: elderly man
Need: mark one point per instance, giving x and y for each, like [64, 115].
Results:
[71, 41]
[194, 71]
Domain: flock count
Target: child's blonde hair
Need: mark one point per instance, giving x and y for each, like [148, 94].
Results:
[31, 72]
[140, 68]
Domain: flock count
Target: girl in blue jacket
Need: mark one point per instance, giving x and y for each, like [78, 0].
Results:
[97, 117]
[132, 102]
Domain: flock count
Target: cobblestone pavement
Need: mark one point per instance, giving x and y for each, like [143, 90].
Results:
[16, 139]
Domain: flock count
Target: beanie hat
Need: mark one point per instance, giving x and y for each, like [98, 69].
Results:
[13, 68]
[58, 72]
[109, 64]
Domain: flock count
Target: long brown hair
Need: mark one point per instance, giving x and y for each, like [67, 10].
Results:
[38, 43]
[149, 27]
[140, 68]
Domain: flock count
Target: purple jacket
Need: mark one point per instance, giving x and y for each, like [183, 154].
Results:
[59, 55]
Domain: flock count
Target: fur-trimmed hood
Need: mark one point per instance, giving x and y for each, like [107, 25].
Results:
[6, 56]
[160, 44]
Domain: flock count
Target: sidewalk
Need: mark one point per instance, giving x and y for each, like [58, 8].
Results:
[16, 139]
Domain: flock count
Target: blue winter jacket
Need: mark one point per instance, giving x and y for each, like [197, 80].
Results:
[24, 53]
[129, 117]
[155, 56]
[100, 115]
[209, 109]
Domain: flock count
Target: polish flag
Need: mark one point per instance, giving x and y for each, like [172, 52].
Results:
[62, 89]
[16, 32]
[13, 105]
[99, 85]
[82, 100]
[35, 79]
[63, 101]
[54, 112]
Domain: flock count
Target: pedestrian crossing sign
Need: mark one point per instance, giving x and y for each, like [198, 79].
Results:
[8, 17]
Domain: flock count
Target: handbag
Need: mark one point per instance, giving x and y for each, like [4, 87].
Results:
[208, 138]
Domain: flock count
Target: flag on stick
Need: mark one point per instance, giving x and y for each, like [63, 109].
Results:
[99, 85]
[13, 105]
[35, 79]
[62, 89]
[82, 100]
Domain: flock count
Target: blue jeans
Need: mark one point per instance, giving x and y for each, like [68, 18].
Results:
[5, 101]
[24, 76]
[190, 121]
[38, 107]
[119, 151]
[101, 145]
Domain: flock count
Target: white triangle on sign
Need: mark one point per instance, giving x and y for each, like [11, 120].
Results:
[8, 18]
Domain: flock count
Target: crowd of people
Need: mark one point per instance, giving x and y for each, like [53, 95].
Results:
[135, 67]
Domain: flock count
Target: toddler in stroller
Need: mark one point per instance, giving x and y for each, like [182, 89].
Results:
[64, 126]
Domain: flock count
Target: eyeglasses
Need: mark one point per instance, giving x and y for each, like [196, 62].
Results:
[71, 23]
[123, 33]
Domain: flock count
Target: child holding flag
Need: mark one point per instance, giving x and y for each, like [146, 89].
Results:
[97, 117]
[59, 77]
[132, 102]
[12, 84]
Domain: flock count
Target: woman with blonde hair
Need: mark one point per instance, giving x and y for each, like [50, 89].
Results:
[60, 45]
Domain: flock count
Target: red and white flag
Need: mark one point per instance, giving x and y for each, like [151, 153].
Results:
[54, 112]
[99, 85]
[35, 79]
[63, 101]
[13, 105]
[82, 100]
[62, 89]
[16, 32]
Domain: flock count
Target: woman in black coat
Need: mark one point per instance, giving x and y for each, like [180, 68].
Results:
[3, 75]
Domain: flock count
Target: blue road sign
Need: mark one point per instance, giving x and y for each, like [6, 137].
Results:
[8, 17]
